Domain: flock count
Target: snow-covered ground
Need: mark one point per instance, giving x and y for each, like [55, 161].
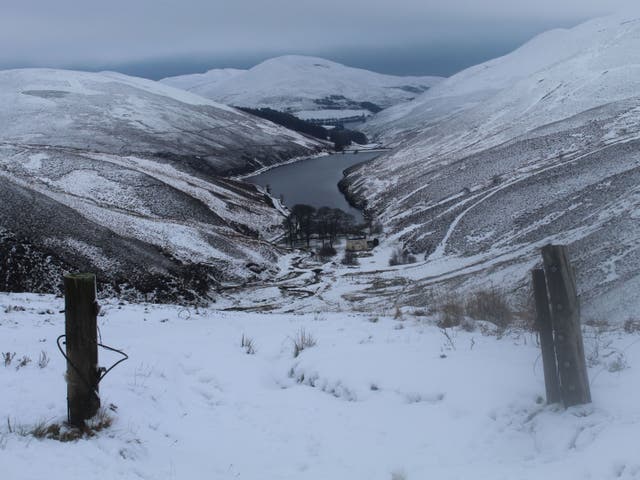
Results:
[375, 398]
[123, 176]
[118, 114]
[331, 114]
[537, 146]
[556, 75]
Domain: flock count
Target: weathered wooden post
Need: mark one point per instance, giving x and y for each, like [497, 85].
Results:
[81, 311]
[565, 311]
[545, 329]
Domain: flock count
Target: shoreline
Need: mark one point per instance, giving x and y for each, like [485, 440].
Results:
[264, 169]
[271, 167]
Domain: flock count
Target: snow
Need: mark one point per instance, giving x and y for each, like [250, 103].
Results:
[375, 398]
[537, 146]
[35, 161]
[138, 163]
[114, 113]
[298, 83]
[555, 75]
[200, 81]
[331, 114]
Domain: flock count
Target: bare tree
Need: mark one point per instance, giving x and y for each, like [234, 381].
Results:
[304, 215]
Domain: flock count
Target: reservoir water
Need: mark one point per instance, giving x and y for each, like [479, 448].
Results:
[313, 181]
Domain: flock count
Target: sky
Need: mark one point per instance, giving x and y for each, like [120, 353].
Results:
[157, 38]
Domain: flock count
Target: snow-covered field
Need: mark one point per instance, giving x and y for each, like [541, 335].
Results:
[375, 398]
[331, 114]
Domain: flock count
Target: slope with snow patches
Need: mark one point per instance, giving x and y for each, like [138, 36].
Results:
[114, 113]
[123, 176]
[299, 83]
[540, 145]
[374, 399]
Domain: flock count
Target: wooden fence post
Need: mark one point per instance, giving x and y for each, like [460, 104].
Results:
[565, 311]
[543, 321]
[81, 311]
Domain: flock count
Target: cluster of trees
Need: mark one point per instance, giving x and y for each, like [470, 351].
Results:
[340, 136]
[327, 223]
[289, 121]
[340, 102]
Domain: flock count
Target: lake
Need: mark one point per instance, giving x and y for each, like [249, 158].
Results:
[313, 181]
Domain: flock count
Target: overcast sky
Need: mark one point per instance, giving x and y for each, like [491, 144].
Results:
[163, 37]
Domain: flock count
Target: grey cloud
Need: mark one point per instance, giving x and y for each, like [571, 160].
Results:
[98, 32]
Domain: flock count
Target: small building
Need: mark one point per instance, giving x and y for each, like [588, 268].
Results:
[357, 245]
[360, 244]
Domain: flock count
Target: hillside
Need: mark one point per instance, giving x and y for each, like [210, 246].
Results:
[198, 81]
[114, 113]
[540, 145]
[124, 177]
[305, 84]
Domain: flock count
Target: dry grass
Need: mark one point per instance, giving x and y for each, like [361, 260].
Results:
[451, 311]
[248, 345]
[8, 358]
[631, 326]
[302, 341]
[490, 305]
[23, 362]
[326, 252]
[401, 257]
[43, 359]
[350, 259]
[525, 311]
[63, 432]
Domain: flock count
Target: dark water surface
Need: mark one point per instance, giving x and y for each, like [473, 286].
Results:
[313, 181]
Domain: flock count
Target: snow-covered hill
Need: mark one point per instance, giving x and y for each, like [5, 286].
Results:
[540, 145]
[299, 83]
[202, 81]
[114, 113]
[556, 75]
[122, 176]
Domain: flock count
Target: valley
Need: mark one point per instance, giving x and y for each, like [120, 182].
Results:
[319, 271]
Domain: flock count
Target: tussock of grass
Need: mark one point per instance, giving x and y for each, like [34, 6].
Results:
[63, 432]
[451, 311]
[302, 341]
[490, 305]
[248, 345]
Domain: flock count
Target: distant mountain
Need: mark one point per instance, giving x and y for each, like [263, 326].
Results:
[304, 84]
[124, 177]
[538, 146]
[197, 82]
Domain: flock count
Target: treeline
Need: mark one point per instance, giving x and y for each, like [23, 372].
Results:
[289, 121]
[327, 223]
[340, 136]
[340, 102]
